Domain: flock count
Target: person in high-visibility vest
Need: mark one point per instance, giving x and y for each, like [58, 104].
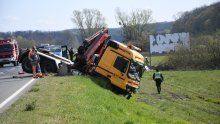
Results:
[158, 78]
[35, 59]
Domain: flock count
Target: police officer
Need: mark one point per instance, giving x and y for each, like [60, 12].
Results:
[158, 78]
[35, 59]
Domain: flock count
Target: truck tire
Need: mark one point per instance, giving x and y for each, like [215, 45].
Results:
[26, 65]
[48, 66]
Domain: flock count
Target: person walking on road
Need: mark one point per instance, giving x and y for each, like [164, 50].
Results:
[158, 78]
[35, 59]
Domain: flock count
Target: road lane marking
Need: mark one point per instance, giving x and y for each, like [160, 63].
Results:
[15, 94]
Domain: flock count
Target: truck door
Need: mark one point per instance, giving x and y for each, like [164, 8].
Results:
[119, 70]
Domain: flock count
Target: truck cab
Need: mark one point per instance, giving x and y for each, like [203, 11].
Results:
[8, 52]
[122, 65]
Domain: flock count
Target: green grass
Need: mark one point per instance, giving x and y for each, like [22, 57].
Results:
[187, 97]
[191, 95]
[157, 60]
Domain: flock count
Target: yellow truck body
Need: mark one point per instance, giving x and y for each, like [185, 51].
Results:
[122, 65]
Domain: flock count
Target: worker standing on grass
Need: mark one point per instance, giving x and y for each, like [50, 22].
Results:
[158, 78]
[35, 59]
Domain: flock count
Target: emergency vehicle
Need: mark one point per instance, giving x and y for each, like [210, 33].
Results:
[8, 52]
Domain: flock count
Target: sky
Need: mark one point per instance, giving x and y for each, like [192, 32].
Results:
[55, 15]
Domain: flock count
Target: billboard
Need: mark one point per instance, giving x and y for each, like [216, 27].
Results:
[163, 43]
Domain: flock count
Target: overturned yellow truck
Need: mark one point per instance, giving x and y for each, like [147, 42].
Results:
[122, 64]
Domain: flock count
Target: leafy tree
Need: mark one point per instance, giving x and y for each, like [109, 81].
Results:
[88, 21]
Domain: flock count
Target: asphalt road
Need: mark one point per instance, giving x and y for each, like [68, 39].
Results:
[12, 85]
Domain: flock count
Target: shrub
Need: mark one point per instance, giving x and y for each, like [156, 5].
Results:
[203, 54]
[30, 106]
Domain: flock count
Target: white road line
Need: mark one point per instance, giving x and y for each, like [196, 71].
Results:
[15, 94]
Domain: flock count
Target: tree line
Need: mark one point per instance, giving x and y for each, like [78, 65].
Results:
[203, 24]
[133, 29]
[26, 39]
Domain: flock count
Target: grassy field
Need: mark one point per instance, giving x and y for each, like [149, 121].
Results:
[157, 60]
[187, 97]
[193, 96]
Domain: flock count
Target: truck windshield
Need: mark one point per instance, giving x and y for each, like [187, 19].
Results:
[135, 71]
[6, 48]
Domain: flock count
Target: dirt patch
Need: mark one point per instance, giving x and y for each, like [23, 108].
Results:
[179, 97]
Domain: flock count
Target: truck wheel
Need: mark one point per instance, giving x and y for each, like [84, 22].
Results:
[26, 65]
[48, 66]
[129, 96]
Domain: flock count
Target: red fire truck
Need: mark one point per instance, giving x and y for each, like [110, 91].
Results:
[8, 52]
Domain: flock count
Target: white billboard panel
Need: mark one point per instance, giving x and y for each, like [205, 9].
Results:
[167, 42]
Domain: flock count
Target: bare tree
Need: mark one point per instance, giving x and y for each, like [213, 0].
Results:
[134, 24]
[88, 21]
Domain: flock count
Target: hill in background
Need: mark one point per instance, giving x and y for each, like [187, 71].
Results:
[71, 37]
[202, 20]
